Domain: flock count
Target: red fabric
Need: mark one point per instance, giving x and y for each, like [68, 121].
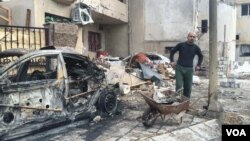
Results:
[103, 53]
[141, 58]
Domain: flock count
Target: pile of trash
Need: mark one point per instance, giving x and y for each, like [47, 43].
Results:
[167, 96]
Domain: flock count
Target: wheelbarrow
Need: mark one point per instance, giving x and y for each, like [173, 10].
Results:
[156, 110]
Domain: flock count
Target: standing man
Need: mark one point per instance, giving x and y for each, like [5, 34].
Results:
[184, 67]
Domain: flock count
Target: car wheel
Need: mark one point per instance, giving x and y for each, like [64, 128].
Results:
[108, 102]
[149, 117]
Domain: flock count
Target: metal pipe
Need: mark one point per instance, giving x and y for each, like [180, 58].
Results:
[81, 94]
[5, 39]
[34, 38]
[17, 43]
[40, 38]
[10, 37]
[20, 26]
[29, 36]
[23, 37]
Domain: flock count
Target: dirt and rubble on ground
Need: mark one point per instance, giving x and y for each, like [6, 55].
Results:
[126, 121]
[126, 124]
[234, 101]
[226, 93]
[128, 75]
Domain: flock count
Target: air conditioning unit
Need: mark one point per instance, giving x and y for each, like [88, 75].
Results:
[81, 14]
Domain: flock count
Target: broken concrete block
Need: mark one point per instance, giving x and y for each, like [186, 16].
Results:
[66, 28]
[224, 84]
[63, 34]
[65, 40]
[196, 80]
[220, 73]
[231, 84]
[238, 85]
[97, 118]
[221, 58]
[124, 88]
[221, 91]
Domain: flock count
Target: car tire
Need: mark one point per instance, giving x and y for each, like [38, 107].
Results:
[107, 102]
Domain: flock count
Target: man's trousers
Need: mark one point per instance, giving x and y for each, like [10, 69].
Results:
[184, 79]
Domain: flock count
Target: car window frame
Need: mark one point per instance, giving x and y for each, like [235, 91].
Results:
[23, 60]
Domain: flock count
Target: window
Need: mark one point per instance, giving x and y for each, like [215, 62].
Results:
[168, 49]
[12, 74]
[244, 50]
[245, 9]
[78, 73]
[37, 68]
[55, 18]
[73, 63]
[123, 1]
[94, 41]
[237, 37]
[154, 57]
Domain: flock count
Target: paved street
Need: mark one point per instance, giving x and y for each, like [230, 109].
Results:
[128, 127]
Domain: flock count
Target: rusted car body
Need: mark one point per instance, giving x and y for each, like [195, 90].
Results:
[49, 84]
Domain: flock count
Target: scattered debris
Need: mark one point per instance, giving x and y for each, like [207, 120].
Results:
[241, 70]
[167, 96]
[125, 88]
[162, 104]
[97, 119]
[166, 71]
[196, 79]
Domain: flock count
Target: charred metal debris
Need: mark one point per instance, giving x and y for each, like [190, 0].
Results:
[56, 85]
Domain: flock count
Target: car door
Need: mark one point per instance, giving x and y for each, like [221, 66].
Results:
[34, 87]
[82, 74]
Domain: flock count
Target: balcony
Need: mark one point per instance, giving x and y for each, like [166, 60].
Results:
[108, 11]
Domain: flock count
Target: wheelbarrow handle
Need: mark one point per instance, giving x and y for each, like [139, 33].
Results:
[179, 91]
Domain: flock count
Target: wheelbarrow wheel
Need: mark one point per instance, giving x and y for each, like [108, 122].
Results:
[149, 117]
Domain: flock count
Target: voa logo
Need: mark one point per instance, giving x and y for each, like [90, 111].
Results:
[236, 132]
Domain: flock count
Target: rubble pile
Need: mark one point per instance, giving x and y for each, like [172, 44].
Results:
[167, 97]
[230, 83]
[222, 67]
[166, 71]
[139, 73]
[102, 62]
[241, 70]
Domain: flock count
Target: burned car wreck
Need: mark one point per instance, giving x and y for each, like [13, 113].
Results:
[55, 85]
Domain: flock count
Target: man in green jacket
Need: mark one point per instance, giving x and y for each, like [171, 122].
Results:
[184, 67]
